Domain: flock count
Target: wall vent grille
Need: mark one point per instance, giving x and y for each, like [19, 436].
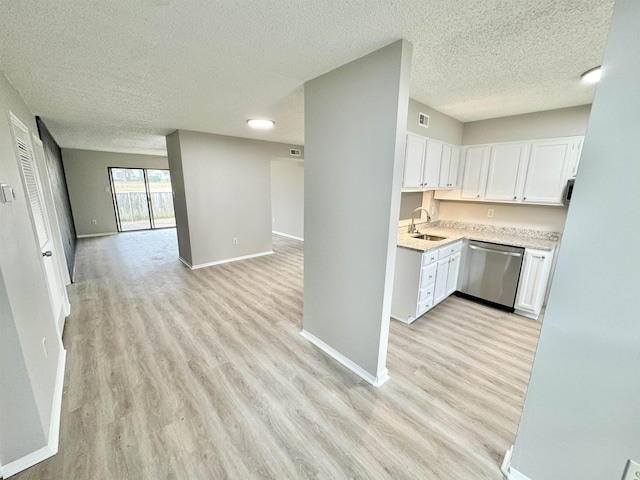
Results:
[423, 120]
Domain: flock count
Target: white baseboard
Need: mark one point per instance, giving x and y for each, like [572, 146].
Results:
[54, 429]
[407, 321]
[358, 370]
[508, 471]
[524, 313]
[287, 235]
[226, 260]
[89, 235]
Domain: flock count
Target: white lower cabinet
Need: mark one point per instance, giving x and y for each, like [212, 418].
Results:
[534, 277]
[423, 279]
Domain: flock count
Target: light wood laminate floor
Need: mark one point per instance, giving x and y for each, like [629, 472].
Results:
[180, 374]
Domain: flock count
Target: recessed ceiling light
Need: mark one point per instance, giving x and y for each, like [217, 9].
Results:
[261, 124]
[591, 76]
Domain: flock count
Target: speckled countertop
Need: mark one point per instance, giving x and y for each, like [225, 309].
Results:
[454, 231]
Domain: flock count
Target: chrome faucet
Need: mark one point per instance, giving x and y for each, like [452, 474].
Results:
[412, 227]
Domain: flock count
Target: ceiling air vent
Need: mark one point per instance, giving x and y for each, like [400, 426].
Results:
[295, 152]
[423, 120]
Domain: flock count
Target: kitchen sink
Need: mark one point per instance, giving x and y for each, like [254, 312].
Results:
[426, 236]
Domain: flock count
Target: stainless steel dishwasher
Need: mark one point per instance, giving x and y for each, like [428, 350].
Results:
[491, 273]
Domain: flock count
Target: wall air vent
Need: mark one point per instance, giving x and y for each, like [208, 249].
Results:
[423, 120]
[295, 152]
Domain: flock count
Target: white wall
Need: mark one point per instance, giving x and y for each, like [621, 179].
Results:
[353, 173]
[89, 189]
[227, 194]
[563, 122]
[27, 315]
[581, 416]
[549, 219]
[441, 127]
[287, 197]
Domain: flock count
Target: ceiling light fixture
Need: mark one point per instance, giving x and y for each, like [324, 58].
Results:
[260, 124]
[591, 76]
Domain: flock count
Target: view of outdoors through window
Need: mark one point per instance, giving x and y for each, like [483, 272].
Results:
[143, 198]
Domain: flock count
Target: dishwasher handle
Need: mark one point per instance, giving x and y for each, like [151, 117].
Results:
[508, 254]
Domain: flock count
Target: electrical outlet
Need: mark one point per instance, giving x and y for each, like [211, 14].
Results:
[235, 240]
[44, 347]
[94, 221]
[631, 471]
[490, 213]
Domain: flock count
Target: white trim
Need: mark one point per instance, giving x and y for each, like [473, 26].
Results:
[509, 472]
[226, 260]
[407, 321]
[89, 235]
[516, 475]
[184, 261]
[287, 235]
[357, 369]
[54, 429]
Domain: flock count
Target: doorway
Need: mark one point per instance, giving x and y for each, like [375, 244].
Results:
[142, 198]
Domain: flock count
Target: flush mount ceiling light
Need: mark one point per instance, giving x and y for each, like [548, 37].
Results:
[591, 76]
[260, 124]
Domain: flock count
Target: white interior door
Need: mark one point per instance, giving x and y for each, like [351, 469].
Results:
[40, 221]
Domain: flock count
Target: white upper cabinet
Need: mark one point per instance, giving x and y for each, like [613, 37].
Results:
[506, 172]
[574, 160]
[475, 171]
[546, 172]
[533, 172]
[449, 166]
[413, 161]
[431, 170]
[429, 164]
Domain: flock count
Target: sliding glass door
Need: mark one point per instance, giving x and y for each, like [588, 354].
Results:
[142, 198]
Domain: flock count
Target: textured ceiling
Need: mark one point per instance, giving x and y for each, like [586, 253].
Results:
[118, 75]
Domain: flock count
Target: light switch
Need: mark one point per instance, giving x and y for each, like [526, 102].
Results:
[7, 193]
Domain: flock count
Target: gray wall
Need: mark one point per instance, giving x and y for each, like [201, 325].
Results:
[287, 197]
[26, 304]
[227, 193]
[179, 196]
[55, 168]
[89, 189]
[353, 173]
[408, 203]
[564, 122]
[441, 127]
[581, 416]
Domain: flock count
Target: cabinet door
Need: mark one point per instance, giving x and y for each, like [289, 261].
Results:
[574, 160]
[475, 170]
[506, 172]
[413, 161]
[440, 289]
[453, 167]
[546, 171]
[452, 276]
[431, 170]
[534, 277]
[445, 165]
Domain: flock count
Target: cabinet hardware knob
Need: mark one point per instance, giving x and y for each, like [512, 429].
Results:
[477, 196]
[524, 198]
[515, 198]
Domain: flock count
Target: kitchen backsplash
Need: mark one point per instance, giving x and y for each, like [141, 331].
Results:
[479, 227]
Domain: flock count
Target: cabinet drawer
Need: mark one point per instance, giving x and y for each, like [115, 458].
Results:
[428, 275]
[449, 249]
[424, 306]
[426, 294]
[429, 257]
